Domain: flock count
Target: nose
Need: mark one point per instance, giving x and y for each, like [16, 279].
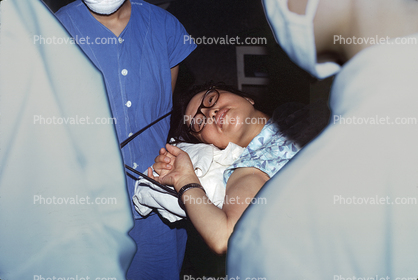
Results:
[211, 113]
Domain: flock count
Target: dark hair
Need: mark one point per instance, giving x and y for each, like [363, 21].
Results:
[179, 129]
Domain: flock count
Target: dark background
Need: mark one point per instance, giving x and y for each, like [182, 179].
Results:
[243, 18]
[221, 18]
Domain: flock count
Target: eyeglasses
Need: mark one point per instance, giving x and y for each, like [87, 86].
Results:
[208, 101]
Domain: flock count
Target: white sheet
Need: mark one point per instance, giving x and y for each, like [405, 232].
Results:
[209, 163]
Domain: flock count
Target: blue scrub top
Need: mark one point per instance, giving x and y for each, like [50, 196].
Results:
[136, 69]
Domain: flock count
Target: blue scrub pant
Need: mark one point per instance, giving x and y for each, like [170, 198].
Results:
[160, 250]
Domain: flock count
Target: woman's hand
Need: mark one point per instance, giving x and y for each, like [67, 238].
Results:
[163, 162]
[174, 167]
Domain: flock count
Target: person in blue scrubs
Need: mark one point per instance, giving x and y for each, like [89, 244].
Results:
[137, 47]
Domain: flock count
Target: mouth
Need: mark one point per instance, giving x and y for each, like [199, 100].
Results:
[220, 116]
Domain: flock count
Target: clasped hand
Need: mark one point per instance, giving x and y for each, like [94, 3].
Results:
[174, 168]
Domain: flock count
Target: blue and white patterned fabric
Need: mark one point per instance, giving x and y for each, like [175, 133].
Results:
[269, 151]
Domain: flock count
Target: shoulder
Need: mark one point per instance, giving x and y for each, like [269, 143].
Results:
[246, 182]
[269, 151]
[247, 176]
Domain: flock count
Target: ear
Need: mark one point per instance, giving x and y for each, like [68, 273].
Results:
[250, 100]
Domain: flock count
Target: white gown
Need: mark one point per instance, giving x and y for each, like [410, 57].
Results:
[346, 206]
[49, 172]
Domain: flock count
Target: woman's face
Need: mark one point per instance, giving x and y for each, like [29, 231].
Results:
[232, 119]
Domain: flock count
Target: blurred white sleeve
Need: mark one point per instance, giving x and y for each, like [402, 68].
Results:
[64, 208]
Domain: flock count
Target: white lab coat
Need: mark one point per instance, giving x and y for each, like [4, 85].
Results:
[338, 209]
[49, 172]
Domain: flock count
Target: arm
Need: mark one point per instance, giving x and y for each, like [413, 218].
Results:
[174, 74]
[215, 225]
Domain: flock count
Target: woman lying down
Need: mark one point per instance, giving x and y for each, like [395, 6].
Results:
[219, 115]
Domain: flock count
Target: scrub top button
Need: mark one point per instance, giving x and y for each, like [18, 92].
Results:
[124, 72]
[128, 104]
[130, 134]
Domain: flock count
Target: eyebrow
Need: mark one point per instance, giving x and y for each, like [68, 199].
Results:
[200, 103]
[189, 123]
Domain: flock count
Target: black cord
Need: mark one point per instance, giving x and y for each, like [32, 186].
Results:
[129, 139]
[167, 189]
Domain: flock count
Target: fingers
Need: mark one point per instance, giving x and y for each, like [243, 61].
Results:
[162, 159]
[163, 151]
[159, 167]
[150, 173]
[166, 159]
[171, 164]
[165, 156]
[173, 150]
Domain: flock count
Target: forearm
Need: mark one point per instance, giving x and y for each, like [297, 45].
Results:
[210, 221]
[174, 74]
[215, 225]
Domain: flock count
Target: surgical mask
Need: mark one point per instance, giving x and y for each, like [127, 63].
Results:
[104, 7]
[295, 34]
